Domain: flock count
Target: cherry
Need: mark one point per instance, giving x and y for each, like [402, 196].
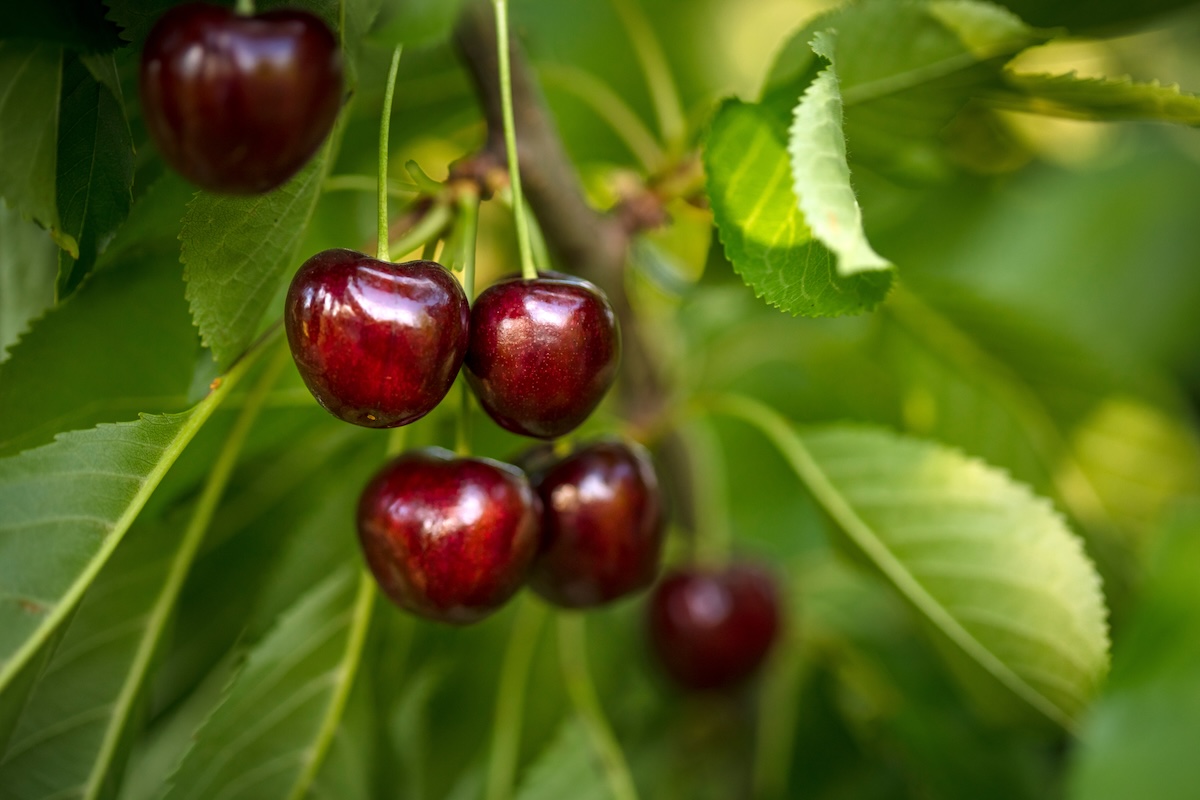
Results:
[602, 526]
[712, 628]
[237, 104]
[543, 353]
[448, 538]
[378, 344]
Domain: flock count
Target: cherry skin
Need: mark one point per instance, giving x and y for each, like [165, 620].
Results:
[543, 353]
[712, 628]
[378, 344]
[450, 539]
[237, 104]
[602, 526]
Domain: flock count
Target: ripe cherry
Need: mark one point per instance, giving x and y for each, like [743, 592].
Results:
[378, 344]
[712, 628]
[237, 104]
[543, 353]
[602, 526]
[448, 538]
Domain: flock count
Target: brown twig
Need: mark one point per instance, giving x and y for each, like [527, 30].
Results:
[589, 243]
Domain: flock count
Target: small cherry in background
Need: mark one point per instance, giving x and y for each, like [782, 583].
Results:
[543, 353]
[602, 525]
[448, 538]
[712, 628]
[378, 344]
[238, 104]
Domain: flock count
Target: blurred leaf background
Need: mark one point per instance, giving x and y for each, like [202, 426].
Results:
[1044, 321]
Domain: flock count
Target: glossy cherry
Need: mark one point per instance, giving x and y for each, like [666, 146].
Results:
[378, 344]
[448, 538]
[237, 104]
[543, 353]
[712, 628]
[602, 525]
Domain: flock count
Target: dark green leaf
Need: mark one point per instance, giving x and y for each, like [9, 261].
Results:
[95, 167]
[1139, 740]
[238, 250]
[764, 232]
[30, 81]
[75, 24]
[27, 272]
[121, 345]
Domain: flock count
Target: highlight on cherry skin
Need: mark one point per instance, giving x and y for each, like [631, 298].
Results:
[711, 628]
[602, 525]
[238, 104]
[378, 344]
[543, 352]
[449, 538]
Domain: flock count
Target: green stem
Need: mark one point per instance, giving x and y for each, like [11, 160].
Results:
[779, 708]
[462, 444]
[245, 7]
[510, 699]
[611, 108]
[468, 219]
[397, 441]
[427, 229]
[714, 530]
[572, 650]
[667, 105]
[385, 125]
[528, 270]
[368, 183]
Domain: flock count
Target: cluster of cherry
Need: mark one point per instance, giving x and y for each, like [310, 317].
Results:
[237, 104]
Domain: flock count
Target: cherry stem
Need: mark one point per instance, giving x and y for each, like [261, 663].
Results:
[510, 699]
[385, 125]
[426, 229]
[245, 7]
[397, 441]
[468, 220]
[528, 270]
[714, 531]
[572, 652]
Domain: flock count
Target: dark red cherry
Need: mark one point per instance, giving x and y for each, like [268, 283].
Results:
[378, 344]
[448, 538]
[712, 628]
[602, 526]
[543, 353]
[238, 104]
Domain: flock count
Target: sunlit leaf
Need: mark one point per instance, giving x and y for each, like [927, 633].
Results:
[988, 564]
[567, 768]
[820, 174]
[765, 234]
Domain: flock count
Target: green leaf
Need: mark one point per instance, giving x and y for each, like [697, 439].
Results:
[77, 25]
[136, 17]
[761, 226]
[1097, 98]
[74, 725]
[93, 358]
[567, 768]
[238, 250]
[270, 734]
[990, 565]
[906, 70]
[30, 83]
[64, 508]
[1139, 740]
[95, 166]
[820, 174]
[27, 272]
